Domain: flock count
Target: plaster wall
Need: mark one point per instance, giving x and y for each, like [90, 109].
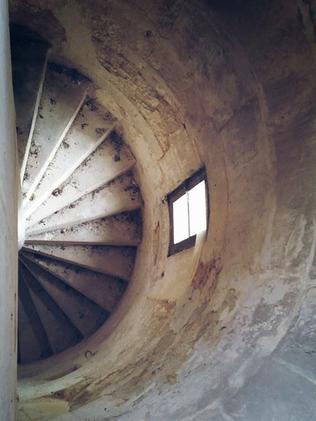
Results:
[217, 331]
[8, 228]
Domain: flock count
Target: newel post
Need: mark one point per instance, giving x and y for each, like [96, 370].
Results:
[8, 228]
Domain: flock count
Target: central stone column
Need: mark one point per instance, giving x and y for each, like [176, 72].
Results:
[21, 221]
[8, 228]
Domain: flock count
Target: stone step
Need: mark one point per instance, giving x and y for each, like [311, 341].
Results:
[114, 261]
[46, 349]
[62, 97]
[119, 230]
[104, 290]
[29, 347]
[83, 313]
[59, 329]
[111, 159]
[118, 196]
[60, 336]
[29, 58]
[88, 131]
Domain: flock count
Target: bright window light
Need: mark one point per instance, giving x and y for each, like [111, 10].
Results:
[189, 213]
[197, 208]
[180, 219]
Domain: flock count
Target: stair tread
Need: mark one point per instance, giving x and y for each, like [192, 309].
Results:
[29, 347]
[83, 313]
[60, 331]
[123, 229]
[61, 98]
[33, 314]
[60, 337]
[28, 68]
[90, 127]
[115, 261]
[104, 290]
[106, 163]
[118, 196]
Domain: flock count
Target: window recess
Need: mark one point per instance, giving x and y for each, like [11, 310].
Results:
[188, 210]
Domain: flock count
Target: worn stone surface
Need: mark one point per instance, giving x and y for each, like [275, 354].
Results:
[88, 131]
[60, 101]
[28, 69]
[99, 168]
[207, 333]
[111, 260]
[104, 290]
[122, 229]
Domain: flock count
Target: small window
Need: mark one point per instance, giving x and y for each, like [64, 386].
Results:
[188, 208]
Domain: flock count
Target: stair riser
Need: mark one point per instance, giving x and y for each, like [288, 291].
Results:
[83, 314]
[114, 261]
[103, 290]
[80, 144]
[59, 105]
[72, 194]
[32, 126]
[123, 229]
[116, 197]
[46, 161]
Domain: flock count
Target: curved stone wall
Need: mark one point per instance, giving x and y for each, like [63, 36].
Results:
[221, 331]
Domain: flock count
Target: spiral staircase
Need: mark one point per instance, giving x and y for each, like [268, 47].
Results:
[80, 217]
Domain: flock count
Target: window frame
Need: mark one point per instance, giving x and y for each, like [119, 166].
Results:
[183, 188]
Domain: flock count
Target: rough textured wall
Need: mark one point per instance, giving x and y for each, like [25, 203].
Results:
[224, 330]
[8, 228]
